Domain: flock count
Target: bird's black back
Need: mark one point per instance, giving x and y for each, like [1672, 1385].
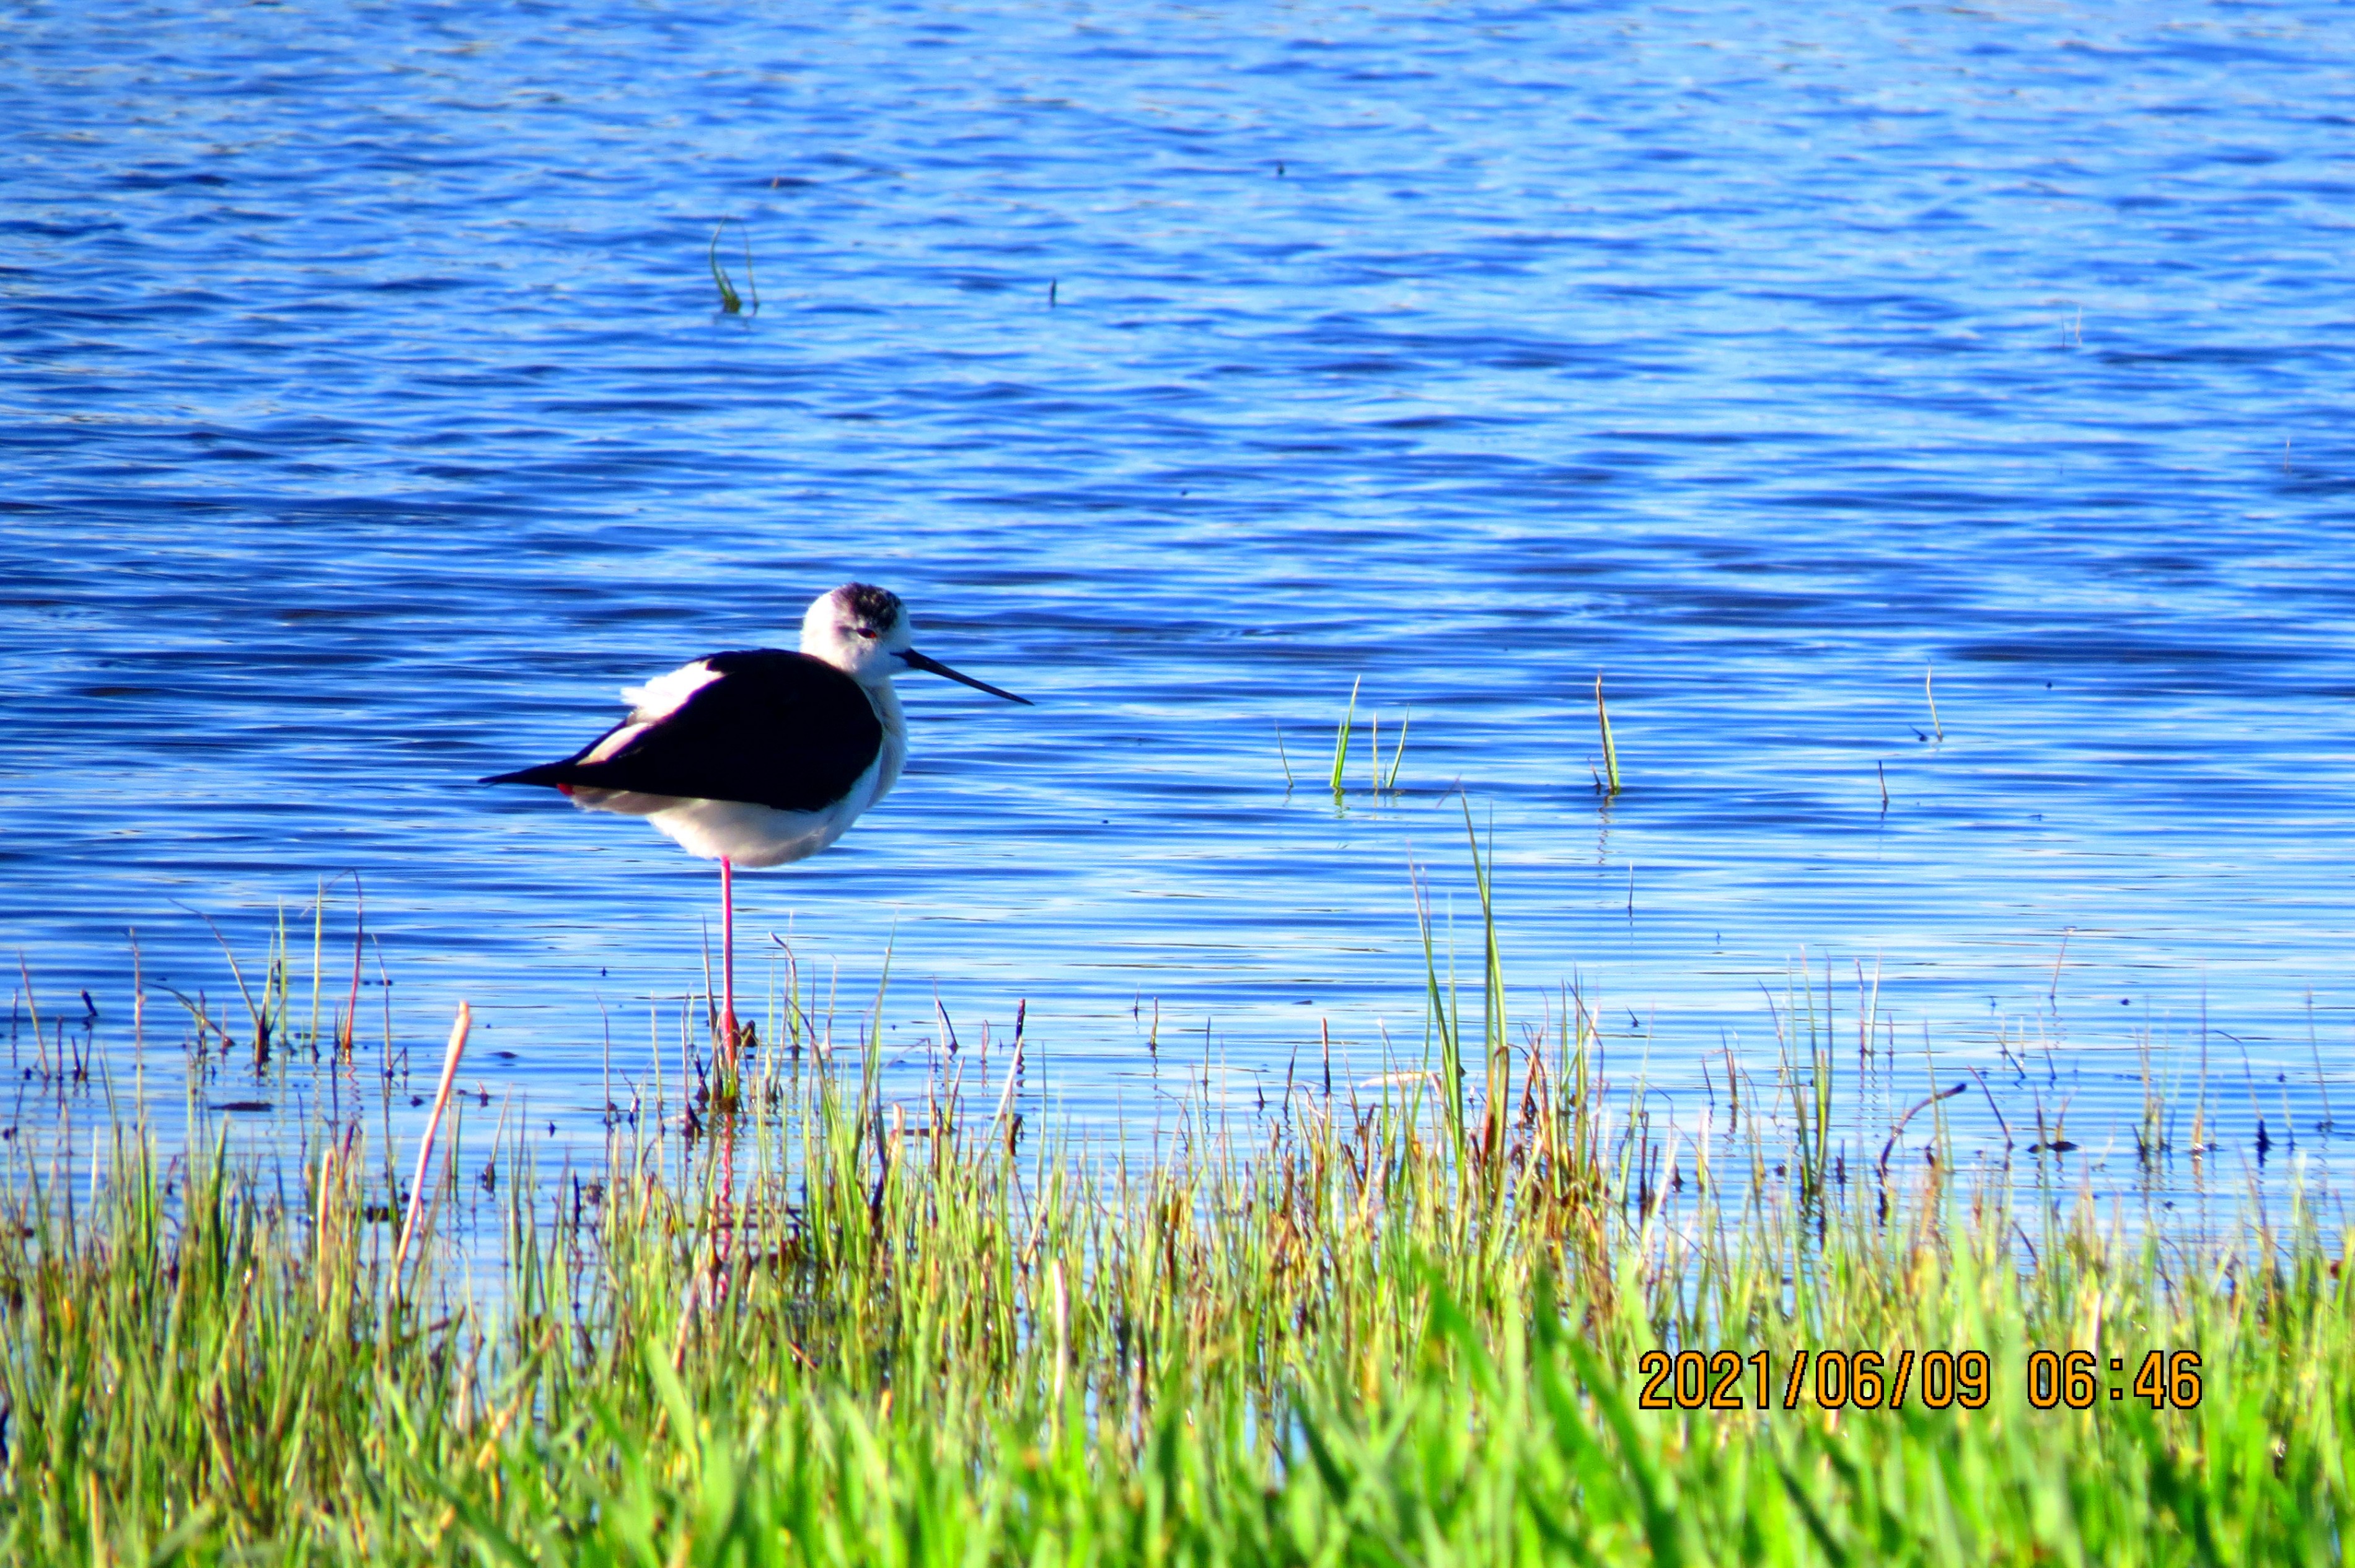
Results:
[777, 729]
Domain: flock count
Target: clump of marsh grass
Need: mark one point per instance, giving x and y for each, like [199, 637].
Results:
[1443, 1314]
[274, 1027]
[1378, 780]
[909, 1341]
[731, 302]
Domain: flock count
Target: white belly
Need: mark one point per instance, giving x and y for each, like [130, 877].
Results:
[736, 830]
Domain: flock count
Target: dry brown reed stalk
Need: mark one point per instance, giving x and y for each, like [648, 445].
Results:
[457, 1049]
[322, 1235]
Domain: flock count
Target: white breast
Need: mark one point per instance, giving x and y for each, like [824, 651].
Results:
[749, 834]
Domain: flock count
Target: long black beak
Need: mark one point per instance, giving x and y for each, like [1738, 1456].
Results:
[925, 662]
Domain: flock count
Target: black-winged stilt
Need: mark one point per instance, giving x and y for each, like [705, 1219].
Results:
[760, 757]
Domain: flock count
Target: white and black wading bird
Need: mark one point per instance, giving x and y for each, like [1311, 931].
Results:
[760, 757]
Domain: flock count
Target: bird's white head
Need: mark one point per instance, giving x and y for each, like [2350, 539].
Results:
[862, 631]
[859, 629]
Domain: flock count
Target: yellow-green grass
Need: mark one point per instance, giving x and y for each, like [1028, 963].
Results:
[1401, 1321]
[1384, 1333]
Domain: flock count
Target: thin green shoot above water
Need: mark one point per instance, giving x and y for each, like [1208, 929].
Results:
[731, 302]
[1609, 752]
[1341, 736]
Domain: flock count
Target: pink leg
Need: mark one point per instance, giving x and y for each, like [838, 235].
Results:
[726, 1022]
[727, 959]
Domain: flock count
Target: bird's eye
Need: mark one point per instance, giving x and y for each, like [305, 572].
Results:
[866, 632]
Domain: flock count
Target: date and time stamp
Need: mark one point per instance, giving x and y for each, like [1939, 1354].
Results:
[1939, 1379]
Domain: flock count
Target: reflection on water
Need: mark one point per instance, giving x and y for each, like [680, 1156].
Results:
[374, 411]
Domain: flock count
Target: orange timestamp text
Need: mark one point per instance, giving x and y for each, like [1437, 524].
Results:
[1874, 1380]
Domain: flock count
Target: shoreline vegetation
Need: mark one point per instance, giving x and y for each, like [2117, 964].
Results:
[1465, 1313]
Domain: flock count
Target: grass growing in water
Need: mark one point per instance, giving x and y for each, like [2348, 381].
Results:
[1404, 1322]
[1341, 736]
[906, 1344]
[731, 302]
[1343, 733]
[1610, 752]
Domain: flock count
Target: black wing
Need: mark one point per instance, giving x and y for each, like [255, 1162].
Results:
[776, 728]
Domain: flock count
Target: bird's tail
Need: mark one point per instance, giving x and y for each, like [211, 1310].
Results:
[556, 775]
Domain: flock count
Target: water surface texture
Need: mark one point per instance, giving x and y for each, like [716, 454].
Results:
[369, 415]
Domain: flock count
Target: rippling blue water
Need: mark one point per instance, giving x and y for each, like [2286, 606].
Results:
[367, 417]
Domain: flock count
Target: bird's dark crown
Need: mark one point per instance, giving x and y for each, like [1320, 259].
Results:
[879, 607]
